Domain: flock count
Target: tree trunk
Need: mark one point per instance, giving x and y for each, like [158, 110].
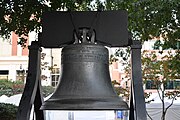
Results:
[163, 117]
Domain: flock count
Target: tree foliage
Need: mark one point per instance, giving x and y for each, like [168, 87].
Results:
[160, 68]
[121, 91]
[147, 18]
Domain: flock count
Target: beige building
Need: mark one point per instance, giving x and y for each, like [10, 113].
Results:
[13, 59]
[14, 62]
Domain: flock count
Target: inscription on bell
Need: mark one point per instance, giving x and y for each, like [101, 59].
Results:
[85, 57]
[85, 53]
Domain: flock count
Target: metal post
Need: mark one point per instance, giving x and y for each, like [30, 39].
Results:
[137, 96]
[131, 102]
[32, 89]
[39, 114]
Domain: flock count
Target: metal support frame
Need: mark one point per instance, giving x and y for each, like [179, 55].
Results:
[32, 94]
[137, 101]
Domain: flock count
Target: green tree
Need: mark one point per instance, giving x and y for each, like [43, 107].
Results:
[147, 18]
[161, 71]
[161, 67]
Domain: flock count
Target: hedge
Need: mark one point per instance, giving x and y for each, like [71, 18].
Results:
[8, 111]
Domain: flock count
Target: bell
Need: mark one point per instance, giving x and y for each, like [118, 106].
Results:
[85, 82]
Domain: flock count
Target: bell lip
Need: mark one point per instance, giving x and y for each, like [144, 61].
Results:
[84, 107]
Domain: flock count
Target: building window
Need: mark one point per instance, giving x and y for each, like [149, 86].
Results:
[177, 84]
[150, 84]
[55, 80]
[4, 74]
[169, 85]
[21, 75]
[173, 84]
[55, 76]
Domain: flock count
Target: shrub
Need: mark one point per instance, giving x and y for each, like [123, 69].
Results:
[8, 111]
[10, 88]
[47, 90]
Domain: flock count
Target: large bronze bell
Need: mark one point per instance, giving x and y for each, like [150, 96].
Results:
[85, 82]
